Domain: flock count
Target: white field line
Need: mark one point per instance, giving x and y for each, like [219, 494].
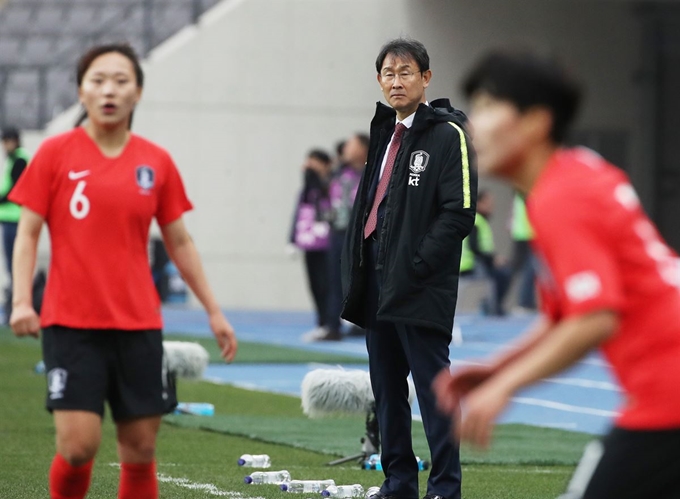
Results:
[502, 347]
[185, 483]
[558, 406]
[564, 407]
[580, 382]
[209, 488]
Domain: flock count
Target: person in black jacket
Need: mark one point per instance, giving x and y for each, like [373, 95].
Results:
[415, 205]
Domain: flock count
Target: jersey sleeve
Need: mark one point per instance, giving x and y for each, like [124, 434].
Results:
[173, 200]
[34, 187]
[579, 253]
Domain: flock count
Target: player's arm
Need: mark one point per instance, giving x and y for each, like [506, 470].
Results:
[451, 386]
[183, 253]
[24, 319]
[562, 346]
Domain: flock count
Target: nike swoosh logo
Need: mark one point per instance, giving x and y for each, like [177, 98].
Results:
[78, 175]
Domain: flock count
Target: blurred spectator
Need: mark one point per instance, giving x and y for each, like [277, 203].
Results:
[343, 190]
[523, 260]
[311, 231]
[479, 259]
[339, 160]
[15, 163]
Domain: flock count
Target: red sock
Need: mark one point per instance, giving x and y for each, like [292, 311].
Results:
[138, 481]
[69, 482]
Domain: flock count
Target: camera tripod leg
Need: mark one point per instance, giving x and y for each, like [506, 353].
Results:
[356, 457]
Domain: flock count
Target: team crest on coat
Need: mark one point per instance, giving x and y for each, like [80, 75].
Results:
[145, 177]
[419, 160]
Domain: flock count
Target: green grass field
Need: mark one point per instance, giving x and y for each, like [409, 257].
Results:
[197, 455]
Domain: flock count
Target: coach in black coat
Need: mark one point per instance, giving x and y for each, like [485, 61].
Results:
[400, 269]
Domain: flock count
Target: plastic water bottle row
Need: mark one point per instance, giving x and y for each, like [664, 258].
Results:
[326, 488]
[282, 478]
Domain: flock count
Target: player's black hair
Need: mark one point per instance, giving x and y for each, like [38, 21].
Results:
[98, 50]
[319, 154]
[404, 48]
[527, 80]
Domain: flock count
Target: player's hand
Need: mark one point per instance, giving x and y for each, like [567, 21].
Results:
[24, 321]
[479, 411]
[451, 387]
[225, 335]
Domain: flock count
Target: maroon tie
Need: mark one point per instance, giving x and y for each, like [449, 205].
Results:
[384, 182]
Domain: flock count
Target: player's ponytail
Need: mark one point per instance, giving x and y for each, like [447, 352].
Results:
[88, 58]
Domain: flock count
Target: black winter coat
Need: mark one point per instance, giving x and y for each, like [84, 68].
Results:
[428, 210]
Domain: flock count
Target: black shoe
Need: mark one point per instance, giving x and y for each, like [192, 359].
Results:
[330, 336]
[433, 496]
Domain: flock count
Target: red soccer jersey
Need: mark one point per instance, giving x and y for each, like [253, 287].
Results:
[98, 211]
[599, 251]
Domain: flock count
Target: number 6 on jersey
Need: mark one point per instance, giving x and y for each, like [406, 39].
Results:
[79, 204]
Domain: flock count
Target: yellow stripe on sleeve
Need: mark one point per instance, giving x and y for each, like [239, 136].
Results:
[465, 165]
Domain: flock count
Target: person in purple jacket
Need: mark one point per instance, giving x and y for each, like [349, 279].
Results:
[310, 232]
[343, 190]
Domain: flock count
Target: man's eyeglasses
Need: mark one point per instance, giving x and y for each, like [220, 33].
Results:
[389, 77]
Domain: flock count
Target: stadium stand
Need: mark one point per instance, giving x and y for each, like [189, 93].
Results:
[40, 41]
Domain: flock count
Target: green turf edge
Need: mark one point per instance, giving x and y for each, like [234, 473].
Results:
[27, 435]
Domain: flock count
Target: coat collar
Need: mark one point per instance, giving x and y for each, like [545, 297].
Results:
[439, 110]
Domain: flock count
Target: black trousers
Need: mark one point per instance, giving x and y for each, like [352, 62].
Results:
[316, 263]
[394, 351]
[628, 464]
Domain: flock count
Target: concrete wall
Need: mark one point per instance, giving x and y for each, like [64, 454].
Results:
[239, 100]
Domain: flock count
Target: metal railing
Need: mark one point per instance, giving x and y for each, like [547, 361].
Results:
[39, 103]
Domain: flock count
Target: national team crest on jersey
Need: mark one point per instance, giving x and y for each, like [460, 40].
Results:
[419, 160]
[56, 382]
[145, 177]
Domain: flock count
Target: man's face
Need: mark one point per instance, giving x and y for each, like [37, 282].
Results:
[403, 84]
[497, 131]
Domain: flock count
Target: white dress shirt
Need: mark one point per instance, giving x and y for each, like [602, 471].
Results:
[408, 122]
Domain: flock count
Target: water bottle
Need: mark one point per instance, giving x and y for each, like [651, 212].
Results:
[40, 367]
[273, 477]
[422, 465]
[306, 486]
[195, 408]
[373, 463]
[344, 491]
[371, 492]
[255, 460]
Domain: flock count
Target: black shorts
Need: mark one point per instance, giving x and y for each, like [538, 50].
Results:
[86, 367]
[629, 465]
